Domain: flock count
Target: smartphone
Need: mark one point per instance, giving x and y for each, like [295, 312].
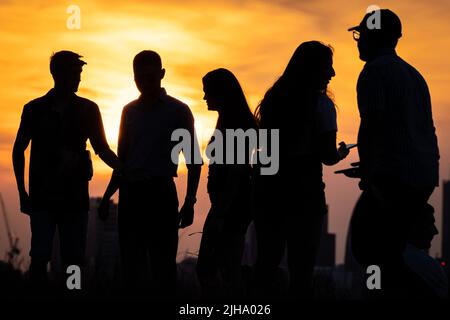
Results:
[351, 145]
[350, 172]
[343, 170]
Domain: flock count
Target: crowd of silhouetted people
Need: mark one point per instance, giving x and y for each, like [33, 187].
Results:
[398, 172]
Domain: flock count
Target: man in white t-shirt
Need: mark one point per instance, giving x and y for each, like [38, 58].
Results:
[148, 218]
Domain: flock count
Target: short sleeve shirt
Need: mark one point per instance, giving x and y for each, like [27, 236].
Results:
[58, 157]
[326, 115]
[145, 138]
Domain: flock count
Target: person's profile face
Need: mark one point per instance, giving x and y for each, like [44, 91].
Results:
[325, 74]
[69, 78]
[364, 47]
[148, 78]
[212, 101]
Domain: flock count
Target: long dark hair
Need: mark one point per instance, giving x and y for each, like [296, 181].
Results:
[235, 111]
[291, 100]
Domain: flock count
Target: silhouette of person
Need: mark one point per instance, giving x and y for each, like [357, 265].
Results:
[399, 156]
[148, 218]
[58, 125]
[427, 279]
[290, 205]
[229, 188]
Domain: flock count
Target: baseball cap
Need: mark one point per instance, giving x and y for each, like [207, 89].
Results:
[389, 24]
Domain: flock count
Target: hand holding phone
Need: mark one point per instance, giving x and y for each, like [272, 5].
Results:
[350, 172]
[343, 150]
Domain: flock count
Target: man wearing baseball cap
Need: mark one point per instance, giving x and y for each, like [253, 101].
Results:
[399, 156]
[379, 30]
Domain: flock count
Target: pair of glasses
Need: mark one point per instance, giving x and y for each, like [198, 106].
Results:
[356, 35]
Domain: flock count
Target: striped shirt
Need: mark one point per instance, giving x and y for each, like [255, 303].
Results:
[396, 140]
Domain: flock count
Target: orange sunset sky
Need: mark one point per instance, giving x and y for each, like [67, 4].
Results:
[253, 38]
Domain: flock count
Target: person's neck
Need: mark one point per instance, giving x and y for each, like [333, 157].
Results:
[61, 93]
[219, 124]
[381, 52]
[149, 98]
[61, 99]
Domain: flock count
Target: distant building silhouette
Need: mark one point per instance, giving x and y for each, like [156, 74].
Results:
[327, 250]
[102, 249]
[102, 252]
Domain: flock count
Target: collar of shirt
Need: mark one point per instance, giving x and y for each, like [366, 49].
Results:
[381, 53]
[51, 101]
[161, 98]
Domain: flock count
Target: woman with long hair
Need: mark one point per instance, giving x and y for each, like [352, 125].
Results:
[229, 188]
[290, 205]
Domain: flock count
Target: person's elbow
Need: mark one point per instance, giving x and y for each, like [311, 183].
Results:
[18, 149]
[329, 163]
[328, 153]
[103, 153]
[330, 159]
[110, 158]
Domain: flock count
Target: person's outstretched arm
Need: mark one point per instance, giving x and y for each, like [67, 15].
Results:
[98, 140]
[109, 157]
[113, 185]
[194, 164]
[187, 210]
[21, 143]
